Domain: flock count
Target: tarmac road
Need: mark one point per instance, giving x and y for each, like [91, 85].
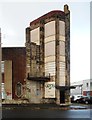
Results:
[27, 112]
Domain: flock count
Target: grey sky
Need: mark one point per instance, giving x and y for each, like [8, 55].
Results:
[17, 16]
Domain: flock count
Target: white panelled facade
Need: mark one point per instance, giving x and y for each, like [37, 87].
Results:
[62, 74]
[50, 29]
[50, 68]
[50, 48]
[62, 48]
[62, 53]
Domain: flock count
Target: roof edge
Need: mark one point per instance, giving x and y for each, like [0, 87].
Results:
[47, 15]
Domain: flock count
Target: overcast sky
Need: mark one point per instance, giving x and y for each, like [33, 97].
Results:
[16, 16]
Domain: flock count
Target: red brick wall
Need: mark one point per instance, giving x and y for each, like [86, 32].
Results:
[18, 57]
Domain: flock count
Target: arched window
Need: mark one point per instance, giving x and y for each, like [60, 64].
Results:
[19, 89]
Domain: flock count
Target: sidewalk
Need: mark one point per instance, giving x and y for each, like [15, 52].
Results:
[44, 106]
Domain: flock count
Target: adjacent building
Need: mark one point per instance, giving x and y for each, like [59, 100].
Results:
[83, 87]
[87, 87]
[13, 71]
[48, 58]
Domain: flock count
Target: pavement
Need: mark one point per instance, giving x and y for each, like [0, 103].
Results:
[12, 104]
[45, 106]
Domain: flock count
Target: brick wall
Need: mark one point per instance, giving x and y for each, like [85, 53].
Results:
[18, 57]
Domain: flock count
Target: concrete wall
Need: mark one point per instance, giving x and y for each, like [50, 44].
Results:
[8, 78]
[34, 91]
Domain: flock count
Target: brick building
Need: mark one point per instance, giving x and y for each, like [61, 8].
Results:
[13, 71]
[48, 58]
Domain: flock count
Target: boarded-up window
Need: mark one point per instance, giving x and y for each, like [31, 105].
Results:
[50, 29]
[35, 36]
[50, 48]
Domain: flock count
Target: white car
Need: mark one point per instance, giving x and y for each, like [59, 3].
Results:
[76, 97]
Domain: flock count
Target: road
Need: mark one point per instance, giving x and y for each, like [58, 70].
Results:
[26, 112]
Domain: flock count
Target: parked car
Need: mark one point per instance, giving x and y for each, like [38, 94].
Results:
[75, 98]
[85, 99]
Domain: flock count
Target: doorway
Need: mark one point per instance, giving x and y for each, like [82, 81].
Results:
[62, 96]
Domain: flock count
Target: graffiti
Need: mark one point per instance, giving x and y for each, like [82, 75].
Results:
[50, 86]
[50, 90]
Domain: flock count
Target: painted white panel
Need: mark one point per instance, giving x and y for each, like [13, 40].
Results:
[50, 90]
[62, 81]
[35, 36]
[49, 39]
[62, 28]
[50, 28]
[62, 73]
[50, 48]
[50, 68]
[50, 59]
[62, 38]
[62, 58]
[62, 48]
